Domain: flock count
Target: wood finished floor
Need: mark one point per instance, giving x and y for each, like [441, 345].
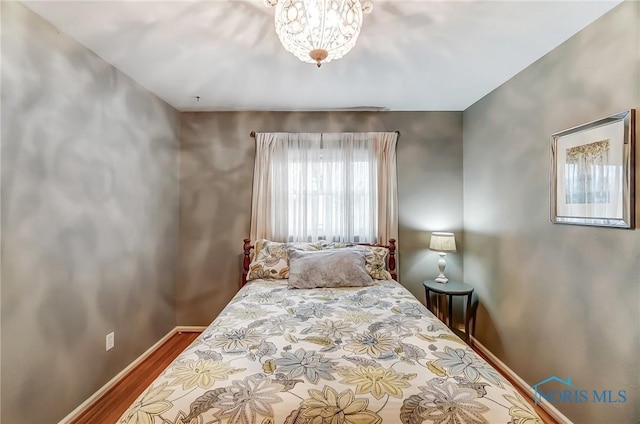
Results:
[115, 402]
[546, 418]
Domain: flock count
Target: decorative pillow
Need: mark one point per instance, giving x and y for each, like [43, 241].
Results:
[376, 262]
[327, 268]
[270, 260]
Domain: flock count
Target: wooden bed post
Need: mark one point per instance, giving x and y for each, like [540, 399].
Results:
[246, 260]
[392, 259]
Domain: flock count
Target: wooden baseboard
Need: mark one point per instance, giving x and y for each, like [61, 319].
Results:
[189, 329]
[84, 406]
[518, 381]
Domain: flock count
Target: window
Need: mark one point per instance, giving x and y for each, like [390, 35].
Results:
[335, 187]
[331, 197]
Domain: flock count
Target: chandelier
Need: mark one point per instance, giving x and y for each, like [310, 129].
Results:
[319, 31]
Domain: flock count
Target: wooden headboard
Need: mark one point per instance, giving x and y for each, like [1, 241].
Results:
[246, 260]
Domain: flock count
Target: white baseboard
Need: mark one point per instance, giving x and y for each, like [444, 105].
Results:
[104, 389]
[522, 385]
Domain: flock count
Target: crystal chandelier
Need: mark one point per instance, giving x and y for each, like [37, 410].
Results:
[319, 31]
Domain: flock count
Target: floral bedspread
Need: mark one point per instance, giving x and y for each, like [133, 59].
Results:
[345, 355]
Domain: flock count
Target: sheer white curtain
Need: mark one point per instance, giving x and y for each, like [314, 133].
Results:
[333, 186]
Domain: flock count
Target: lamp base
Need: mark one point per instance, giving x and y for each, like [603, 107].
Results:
[441, 265]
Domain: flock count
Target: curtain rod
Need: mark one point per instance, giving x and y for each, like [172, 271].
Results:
[252, 134]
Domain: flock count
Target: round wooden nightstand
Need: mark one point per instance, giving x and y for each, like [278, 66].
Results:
[450, 289]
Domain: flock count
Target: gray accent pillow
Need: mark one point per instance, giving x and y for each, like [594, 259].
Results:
[327, 268]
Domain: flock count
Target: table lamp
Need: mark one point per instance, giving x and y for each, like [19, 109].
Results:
[442, 243]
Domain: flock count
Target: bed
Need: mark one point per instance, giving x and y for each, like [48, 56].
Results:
[365, 354]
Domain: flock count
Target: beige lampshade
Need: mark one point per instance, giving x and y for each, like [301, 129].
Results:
[443, 242]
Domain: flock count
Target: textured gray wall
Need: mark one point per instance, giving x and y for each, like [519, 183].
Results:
[556, 299]
[216, 174]
[89, 219]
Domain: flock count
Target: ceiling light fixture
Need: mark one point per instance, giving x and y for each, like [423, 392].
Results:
[319, 31]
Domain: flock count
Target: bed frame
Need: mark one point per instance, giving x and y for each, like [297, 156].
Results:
[391, 261]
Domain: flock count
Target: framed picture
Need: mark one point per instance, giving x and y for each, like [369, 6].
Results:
[592, 173]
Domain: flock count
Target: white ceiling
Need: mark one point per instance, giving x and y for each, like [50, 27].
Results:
[411, 55]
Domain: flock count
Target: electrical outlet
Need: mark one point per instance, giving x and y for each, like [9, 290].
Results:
[110, 340]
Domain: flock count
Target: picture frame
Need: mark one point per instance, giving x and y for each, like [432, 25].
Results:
[592, 173]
